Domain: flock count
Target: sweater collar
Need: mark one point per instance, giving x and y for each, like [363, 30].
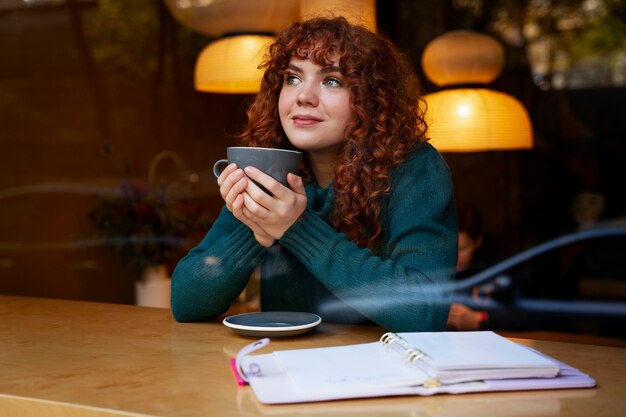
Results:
[319, 199]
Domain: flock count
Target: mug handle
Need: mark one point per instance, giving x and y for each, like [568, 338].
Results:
[217, 167]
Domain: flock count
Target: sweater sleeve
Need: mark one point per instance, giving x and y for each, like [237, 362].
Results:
[400, 289]
[209, 278]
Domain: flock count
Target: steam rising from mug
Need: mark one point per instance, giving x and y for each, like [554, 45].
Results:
[276, 163]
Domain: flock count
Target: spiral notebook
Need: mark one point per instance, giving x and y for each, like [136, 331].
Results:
[405, 364]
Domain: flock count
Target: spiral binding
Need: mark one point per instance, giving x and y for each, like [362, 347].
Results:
[410, 355]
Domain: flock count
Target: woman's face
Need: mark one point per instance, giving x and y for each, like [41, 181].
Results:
[314, 106]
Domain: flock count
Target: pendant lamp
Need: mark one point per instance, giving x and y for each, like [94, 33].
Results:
[217, 17]
[477, 119]
[360, 12]
[466, 116]
[230, 64]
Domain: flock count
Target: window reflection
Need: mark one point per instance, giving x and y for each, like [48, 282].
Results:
[87, 105]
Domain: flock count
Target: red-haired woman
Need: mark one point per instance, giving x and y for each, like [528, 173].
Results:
[367, 232]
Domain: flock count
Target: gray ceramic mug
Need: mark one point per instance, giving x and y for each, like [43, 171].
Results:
[276, 163]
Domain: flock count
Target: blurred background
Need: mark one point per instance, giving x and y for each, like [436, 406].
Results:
[106, 144]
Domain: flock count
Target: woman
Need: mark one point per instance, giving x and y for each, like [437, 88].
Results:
[368, 231]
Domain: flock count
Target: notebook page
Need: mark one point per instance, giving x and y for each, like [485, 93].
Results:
[346, 367]
[475, 350]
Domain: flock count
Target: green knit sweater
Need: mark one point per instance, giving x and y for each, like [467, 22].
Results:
[316, 269]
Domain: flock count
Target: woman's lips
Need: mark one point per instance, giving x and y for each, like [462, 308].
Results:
[305, 121]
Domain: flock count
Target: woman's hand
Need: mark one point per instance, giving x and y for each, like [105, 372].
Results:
[233, 183]
[277, 212]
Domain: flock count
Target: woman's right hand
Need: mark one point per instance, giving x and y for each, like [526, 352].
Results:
[233, 182]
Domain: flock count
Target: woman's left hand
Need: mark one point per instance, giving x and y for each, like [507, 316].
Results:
[274, 213]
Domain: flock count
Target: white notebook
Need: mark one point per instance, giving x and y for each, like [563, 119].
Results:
[401, 364]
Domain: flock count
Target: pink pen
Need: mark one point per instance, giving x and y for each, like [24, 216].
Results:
[238, 379]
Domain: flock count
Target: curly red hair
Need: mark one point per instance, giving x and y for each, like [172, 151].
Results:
[388, 114]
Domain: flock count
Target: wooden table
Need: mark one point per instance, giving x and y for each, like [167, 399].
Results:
[68, 358]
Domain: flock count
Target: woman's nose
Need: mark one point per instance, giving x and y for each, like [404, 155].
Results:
[308, 95]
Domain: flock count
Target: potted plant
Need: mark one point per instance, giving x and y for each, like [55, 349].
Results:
[150, 228]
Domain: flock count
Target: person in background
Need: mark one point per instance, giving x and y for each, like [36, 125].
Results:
[588, 207]
[470, 261]
[470, 241]
[367, 232]
[503, 313]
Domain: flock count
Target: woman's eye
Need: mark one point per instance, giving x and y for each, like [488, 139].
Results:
[291, 79]
[333, 82]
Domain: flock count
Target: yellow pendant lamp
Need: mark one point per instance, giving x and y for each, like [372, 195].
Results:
[230, 64]
[471, 119]
[475, 120]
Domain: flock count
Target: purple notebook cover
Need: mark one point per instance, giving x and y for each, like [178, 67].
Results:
[568, 377]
